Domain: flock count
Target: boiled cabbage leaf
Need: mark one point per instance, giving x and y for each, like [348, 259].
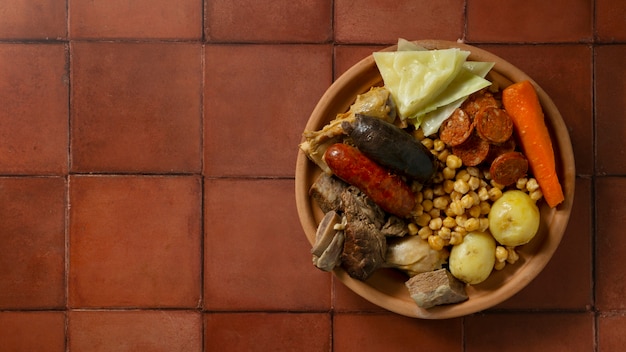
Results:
[416, 78]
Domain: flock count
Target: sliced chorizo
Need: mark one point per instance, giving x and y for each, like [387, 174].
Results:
[386, 189]
[478, 101]
[494, 124]
[473, 151]
[507, 168]
[497, 149]
[456, 129]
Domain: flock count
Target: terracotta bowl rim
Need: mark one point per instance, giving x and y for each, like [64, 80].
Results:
[383, 288]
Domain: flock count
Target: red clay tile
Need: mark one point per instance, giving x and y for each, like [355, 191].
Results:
[610, 210]
[136, 107]
[256, 254]
[610, 107]
[34, 114]
[126, 331]
[32, 331]
[257, 101]
[565, 282]
[611, 332]
[135, 241]
[610, 20]
[348, 55]
[345, 300]
[32, 243]
[557, 332]
[160, 19]
[529, 21]
[33, 19]
[565, 73]
[380, 21]
[267, 332]
[299, 21]
[392, 332]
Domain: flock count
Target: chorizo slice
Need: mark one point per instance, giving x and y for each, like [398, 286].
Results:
[508, 167]
[494, 124]
[497, 149]
[478, 101]
[456, 129]
[473, 151]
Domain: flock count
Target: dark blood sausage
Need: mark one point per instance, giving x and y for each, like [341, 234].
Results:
[456, 129]
[493, 124]
[384, 188]
[508, 167]
[473, 151]
[390, 146]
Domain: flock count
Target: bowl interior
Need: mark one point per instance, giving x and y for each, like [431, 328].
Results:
[386, 287]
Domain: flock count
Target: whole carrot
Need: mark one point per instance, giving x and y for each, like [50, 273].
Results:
[521, 102]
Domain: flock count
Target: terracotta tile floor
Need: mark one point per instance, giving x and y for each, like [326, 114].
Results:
[147, 153]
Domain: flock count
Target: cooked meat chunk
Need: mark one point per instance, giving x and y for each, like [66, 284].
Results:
[364, 245]
[326, 191]
[434, 288]
[394, 227]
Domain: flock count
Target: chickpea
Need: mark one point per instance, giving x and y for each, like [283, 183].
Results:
[435, 224]
[501, 254]
[474, 183]
[456, 238]
[441, 202]
[435, 242]
[448, 186]
[427, 204]
[474, 211]
[461, 186]
[439, 145]
[494, 194]
[423, 219]
[424, 232]
[443, 155]
[449, 222]
[448, 173]
[532, 185]
[472, 224]
[453, 162]
[428, 143]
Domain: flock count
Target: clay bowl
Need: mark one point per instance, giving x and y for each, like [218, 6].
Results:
[386, 287]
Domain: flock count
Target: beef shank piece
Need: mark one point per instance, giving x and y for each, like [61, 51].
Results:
[434, 288]
[364, 244]
[326, 191]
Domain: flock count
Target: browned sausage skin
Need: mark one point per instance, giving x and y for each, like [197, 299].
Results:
[386, 189]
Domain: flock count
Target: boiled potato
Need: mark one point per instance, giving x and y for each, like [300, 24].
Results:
[514, 218]
[472, 260]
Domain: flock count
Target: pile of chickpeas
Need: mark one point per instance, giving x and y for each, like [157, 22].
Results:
[458, 200]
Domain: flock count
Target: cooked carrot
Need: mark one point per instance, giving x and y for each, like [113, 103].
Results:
[521, 102]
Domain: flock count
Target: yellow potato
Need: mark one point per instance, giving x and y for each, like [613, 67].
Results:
[472, 260]
[514, 218]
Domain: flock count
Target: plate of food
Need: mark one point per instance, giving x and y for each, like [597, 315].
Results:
[434, 179]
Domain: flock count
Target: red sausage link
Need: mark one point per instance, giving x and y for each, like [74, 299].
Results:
[384, 188]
